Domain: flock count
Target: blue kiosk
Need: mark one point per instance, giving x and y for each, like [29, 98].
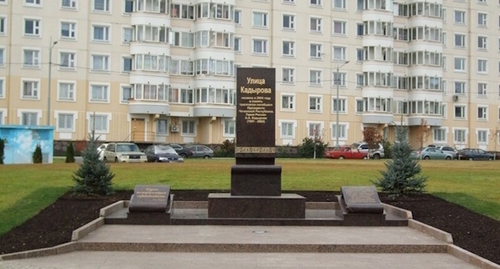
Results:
[21, 141]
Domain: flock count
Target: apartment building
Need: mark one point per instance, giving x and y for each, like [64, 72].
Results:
[164, 70]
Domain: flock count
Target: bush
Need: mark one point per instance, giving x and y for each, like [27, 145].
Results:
[37, 154]
[387, 148]
[227, 149]
[70, 153]
[2, 148]
[402, 175]
[309, 145]
[94, 176]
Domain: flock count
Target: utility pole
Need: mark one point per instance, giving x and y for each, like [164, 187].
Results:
[51, 46]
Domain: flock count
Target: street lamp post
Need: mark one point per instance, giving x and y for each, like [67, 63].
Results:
[52, 44]
[337, 127]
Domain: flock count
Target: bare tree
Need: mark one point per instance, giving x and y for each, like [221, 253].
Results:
[372, 138]
[422, 132]
[495, 136]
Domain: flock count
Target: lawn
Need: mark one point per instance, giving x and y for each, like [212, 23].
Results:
[26, 189]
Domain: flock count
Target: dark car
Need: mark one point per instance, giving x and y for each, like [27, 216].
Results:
[184, 152]
[162, 153]
[474, 154]
[201, 151]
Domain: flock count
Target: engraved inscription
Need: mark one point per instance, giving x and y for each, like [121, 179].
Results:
[360, 196]
[255, 150]
[152, 194]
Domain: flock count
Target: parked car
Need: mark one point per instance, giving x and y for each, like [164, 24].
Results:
[474, 154]
[100, 150]
[450, 150]
[182, 151]
[345, 153]
[124, 152]
[162, 153]
[201, 151]
[376, 153]
[432, 153]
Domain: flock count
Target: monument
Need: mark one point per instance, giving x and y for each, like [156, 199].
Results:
[255, 178]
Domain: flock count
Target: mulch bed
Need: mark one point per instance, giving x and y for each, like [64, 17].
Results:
[55, 224]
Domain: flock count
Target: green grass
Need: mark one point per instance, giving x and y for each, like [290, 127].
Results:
[27, 189]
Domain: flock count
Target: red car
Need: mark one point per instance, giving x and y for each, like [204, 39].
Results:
[345, 153]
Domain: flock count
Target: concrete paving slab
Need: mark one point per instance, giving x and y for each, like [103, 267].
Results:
[153, 260]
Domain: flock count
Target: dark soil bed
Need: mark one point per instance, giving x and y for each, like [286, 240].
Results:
[54, 225]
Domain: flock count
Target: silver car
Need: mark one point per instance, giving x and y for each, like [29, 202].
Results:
[201, 151]
[124, 153]
[376, 153]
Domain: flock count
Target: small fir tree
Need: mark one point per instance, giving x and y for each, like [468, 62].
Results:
[37, 154]
[94, 176]
[402, 177]
[2, 148]
[310, 145]
[70, 153]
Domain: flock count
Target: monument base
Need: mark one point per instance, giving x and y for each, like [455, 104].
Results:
[255, 180]
[359, 219]
[223, 205]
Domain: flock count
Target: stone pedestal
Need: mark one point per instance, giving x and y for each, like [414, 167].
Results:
[224, 205]
[258, 180]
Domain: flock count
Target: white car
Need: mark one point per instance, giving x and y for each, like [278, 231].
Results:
[100, 150]
[124, 153]
[374, 153]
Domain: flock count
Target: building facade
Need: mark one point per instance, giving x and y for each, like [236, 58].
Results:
[164, 70]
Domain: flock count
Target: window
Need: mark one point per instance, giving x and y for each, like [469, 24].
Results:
[30, 89]
[482, 19]
[315, 2]
[339, 53]
[33, 2]
[460, 40]
[439, 134]
[127, 34]
[360, 29]
[32, 27]
[237, 44]
[482, 66]
[161, 127]
[68, 30]
[99, 93]
[359, 106]
[459, 136]
[482, 113]
[65, 122]
[66, 91]
[339, 79]
[459, 17]
[67, 60]
[315, 104]
[259, 19]
[259, 46]
[339, 4]
[31, 58]
[288, 48]
[459, 87]
[339, 27]
[459, 64]
[315, 78]
[69, 4]
[229, 128]
[460, 112]
[360, 54]
[29, 118]
[482, 42]
[188, 128]
[315, 25]
[339, 105]
[2, 86]
[360, 80]
[315, 129]
[126, 93]
[2, 26]
[288, 75]
[237, 17]
[288, 22]
[287, 129]
[315, 51]
[100, 33]
[127, 64]
[100, 63]
[288, 102]
[482, 136]
[342, 131]
[128, 6]
[482, 89]
[98, 123]
[100, 5]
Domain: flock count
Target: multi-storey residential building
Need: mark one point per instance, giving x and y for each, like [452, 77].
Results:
[164, 70]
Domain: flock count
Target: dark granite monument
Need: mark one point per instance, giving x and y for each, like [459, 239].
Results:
[150, 204]
[255, 179]
[360, 205]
